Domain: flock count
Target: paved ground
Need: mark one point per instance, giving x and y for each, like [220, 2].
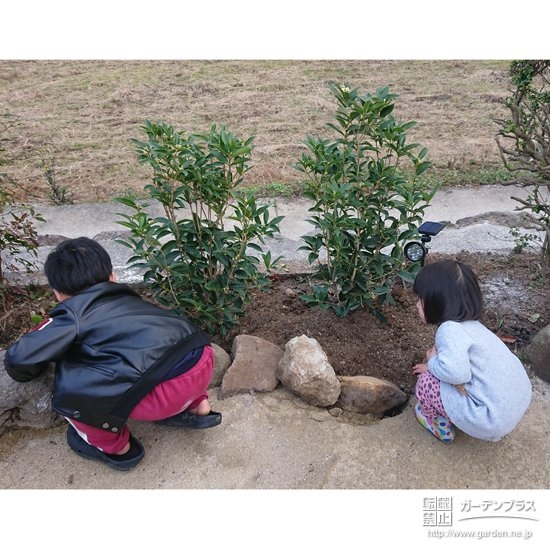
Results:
[274, 440]
[476, 220]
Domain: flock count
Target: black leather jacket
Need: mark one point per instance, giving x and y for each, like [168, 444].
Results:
[110, 347]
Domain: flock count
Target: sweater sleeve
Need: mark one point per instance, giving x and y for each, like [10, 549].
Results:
[452, 362]
[27, 358]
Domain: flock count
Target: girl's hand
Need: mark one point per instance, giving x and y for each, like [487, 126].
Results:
[420, 368]
[432, 352]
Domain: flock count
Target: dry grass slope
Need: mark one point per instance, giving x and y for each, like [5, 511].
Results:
[83, 113]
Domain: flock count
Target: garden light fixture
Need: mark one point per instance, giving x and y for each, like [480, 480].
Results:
[416, 251]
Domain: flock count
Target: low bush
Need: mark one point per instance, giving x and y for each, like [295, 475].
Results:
[203, 256]
[367, 203]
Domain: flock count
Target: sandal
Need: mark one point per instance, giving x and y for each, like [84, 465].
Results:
[118, 462]
[194, 421]
[441, 427]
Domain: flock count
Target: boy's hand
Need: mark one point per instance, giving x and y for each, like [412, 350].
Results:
[420, 368]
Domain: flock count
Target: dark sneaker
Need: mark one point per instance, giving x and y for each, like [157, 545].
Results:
[194, 421]
[118, 462]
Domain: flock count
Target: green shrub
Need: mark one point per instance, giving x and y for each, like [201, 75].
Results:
[197, 256]
[366, 204]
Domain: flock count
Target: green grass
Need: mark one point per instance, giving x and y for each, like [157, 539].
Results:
[465, 175]
[275, 189]
[446, 177]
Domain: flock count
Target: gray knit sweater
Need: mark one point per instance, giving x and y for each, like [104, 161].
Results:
[499, 390]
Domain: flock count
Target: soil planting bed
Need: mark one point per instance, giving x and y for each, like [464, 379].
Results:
[517, 306]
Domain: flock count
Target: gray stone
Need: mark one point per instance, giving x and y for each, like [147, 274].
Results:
[50, 240]
[305, 370]
[537, 354]
[508, 219]
[253, 368]
[26, 404]
[370, 395]
[222, 361]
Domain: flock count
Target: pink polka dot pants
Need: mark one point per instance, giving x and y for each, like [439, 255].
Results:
[429, 396]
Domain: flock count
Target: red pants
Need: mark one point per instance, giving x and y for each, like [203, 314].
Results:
[167, 399]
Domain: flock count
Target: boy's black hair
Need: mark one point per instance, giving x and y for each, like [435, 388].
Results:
[77, 264]
[449, 291]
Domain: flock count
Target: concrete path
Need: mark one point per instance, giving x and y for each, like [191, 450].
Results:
[476, 219]
[274, 440]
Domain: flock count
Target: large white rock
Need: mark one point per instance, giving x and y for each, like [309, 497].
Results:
[305, 370]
